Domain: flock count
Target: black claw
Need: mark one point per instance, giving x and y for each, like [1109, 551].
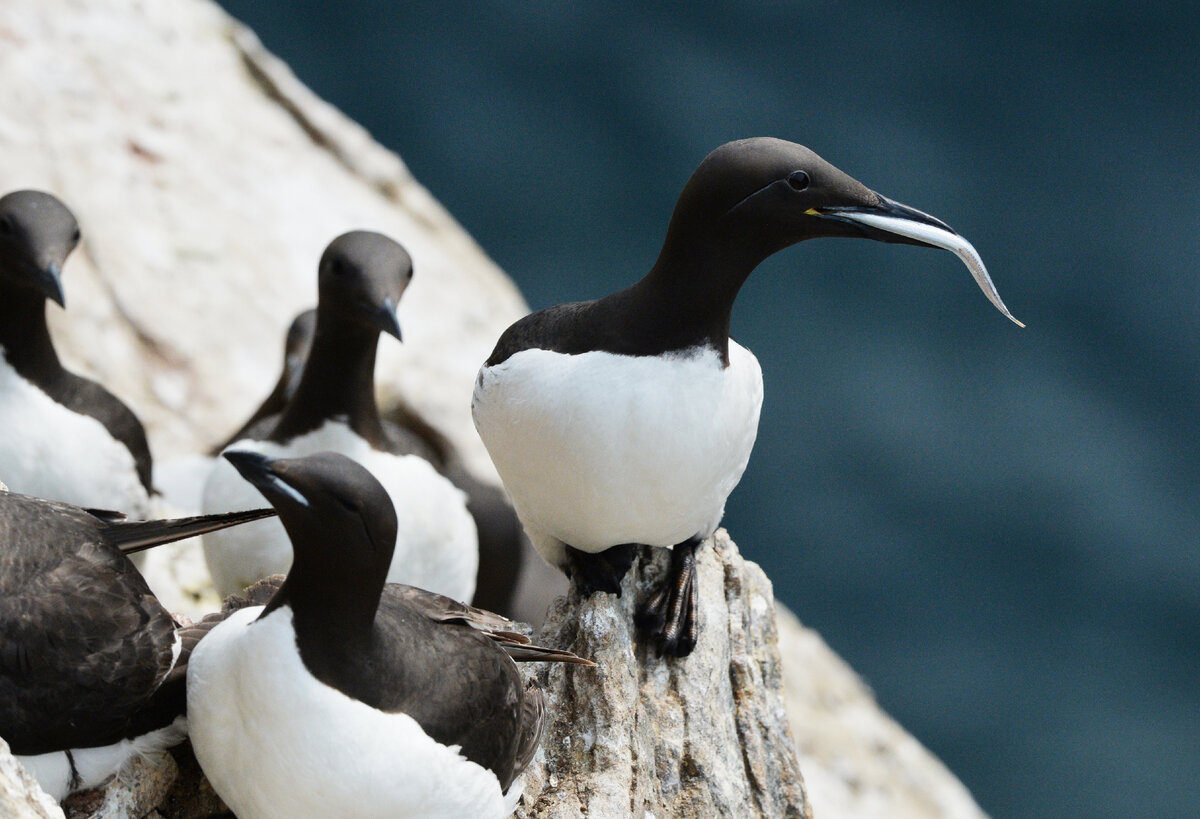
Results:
[651, 617]
[668, 618]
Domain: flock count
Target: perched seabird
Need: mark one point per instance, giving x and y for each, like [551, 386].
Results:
[628, 420]
[360, 280]
[296, 345]
[61, 436]
[502, 541]
[348, 697]
[91, 664]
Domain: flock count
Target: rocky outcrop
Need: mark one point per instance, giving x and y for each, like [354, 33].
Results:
[207, 180]
[706, 735]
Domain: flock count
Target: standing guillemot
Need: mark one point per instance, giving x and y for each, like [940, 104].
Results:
[628, 420]
[360, 280]
[348, 697]
[61, 436]
[91, 664]
[502, 541]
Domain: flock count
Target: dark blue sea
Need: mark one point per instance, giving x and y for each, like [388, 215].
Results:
[999, 528]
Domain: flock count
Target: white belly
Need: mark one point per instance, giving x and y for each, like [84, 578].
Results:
[274, 741]
[436, 544]
[94, 766]
[50, 452]
[599, 449]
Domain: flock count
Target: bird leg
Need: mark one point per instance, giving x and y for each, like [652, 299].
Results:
[668, 617]
[602, 571]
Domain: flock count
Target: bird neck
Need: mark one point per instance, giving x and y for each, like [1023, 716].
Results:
[329, 610]
[689, 293]
[338, 382]
[25, 336]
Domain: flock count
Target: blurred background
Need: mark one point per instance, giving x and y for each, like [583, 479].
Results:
[997, 527]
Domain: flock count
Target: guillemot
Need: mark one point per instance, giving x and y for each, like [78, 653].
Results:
[62, 436]
[344, 696]
[628, 420]
[296, 344]
[501, 539]
[360, 280]
[91, 664]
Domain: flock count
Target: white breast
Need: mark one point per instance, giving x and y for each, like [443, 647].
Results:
[436, 543]
[49, 451]
[275, 742]
[600, 449]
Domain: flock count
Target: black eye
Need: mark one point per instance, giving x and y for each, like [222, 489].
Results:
[798, 180]
[6, 226]
[340, 266]
[75, 236]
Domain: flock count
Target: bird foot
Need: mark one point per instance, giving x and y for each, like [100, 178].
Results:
[602, 571]
[668, 617]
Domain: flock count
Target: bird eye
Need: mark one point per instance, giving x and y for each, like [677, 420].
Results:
[6, 226]
[798, 180]
[75, 236]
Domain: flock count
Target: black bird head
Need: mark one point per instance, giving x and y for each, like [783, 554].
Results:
[339, 518]
[361, 278]
[37, 233]
[754, 197]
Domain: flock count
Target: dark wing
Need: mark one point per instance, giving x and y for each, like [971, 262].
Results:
[256, 594]
[86, 397]
[442, 609]
[138, 535]
[508, 635]
[446, 674]
[84, 647]
[408, 434]
[446, 665]
[533, 723]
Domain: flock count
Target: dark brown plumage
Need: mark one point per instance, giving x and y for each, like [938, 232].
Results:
[85, 646]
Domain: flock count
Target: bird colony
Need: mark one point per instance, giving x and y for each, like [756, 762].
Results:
[351, 670]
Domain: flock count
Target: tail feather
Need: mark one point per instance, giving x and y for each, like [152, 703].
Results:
[139, 535]
[526, 653]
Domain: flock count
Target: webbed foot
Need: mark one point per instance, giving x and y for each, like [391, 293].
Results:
[668, 617]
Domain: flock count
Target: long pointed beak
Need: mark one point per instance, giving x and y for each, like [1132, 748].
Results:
[387, 320]
[893, 222]
[50, 284]
[257, 469]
